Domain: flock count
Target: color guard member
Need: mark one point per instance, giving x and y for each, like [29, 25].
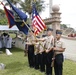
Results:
[49, 51]
[42, 56]
[30, 49]
[59, 49]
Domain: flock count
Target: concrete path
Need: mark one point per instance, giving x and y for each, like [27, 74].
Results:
[70, 52]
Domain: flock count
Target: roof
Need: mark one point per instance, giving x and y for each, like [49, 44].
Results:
[5, 27]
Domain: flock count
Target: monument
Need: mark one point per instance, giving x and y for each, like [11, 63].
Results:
[55, 20]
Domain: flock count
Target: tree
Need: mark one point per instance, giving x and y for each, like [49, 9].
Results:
[3, 19]
[63, 26]
[12, 1]
[27, 5]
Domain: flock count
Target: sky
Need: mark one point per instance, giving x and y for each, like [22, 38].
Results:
[67, 8]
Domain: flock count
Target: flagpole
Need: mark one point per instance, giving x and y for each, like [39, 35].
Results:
[1, 3]
[28, 27]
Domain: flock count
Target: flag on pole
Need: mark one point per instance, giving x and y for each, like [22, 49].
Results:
[37, 22]
[22, 27]
[21, 14]
[10, 17]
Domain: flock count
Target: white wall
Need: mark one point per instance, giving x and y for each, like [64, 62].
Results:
[19, 43]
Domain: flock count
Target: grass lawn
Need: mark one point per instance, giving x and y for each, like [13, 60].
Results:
[13, 35]
[17, 64]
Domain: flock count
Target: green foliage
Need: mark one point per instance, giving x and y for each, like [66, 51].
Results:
[63, 26]
[3, 21]
[13, 35]
[27, 5]
[17, 64]
[12, 1]
[2, 12]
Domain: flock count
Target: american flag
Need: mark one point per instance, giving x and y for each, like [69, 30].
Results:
[37, 22]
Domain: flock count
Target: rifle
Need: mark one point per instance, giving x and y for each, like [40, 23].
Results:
[52, 64]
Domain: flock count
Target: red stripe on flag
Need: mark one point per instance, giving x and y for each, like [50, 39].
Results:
[38, 26]
[35, 23]
[7, 14]
[41, 22]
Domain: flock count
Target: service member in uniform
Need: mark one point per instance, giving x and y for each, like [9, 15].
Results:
[30, 44]
[59, 49]
[49, 51]
[36, 55]
[42, 56]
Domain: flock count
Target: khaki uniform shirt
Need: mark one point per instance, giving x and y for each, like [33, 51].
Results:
[41, 46]
[36, 46]
[30, 40]
[59, 44]
[49, 43]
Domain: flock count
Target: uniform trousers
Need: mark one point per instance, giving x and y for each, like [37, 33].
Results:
[42, 61]
[36, 61]
[58, 64]
[31, 55]
[48, 63]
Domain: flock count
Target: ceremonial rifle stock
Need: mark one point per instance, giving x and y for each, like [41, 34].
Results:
[52, 64]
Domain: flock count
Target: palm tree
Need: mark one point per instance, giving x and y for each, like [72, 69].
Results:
[27, 5]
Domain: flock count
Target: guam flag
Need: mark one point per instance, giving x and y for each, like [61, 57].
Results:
[21, 14]
[22, 27]
[9, 17]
